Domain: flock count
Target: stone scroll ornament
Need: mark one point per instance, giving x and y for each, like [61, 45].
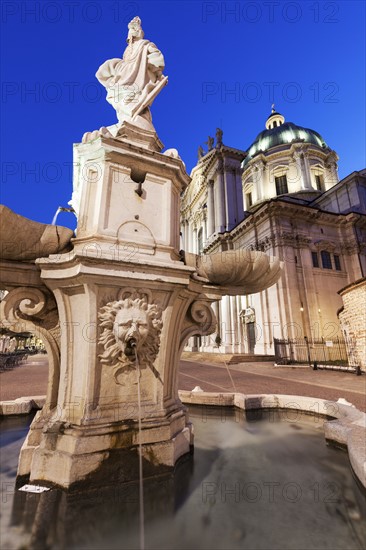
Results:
[131, 327]
[26, 309]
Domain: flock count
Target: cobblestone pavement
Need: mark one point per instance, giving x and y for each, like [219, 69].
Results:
[249, 378]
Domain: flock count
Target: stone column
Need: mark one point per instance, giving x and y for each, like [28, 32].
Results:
[257, 171]
[234, 323]
[297, 159]
[190, 244]
[226, 323]
[239, 307]
[195, 242]
[205, 236]
[265, 182]
[186, 235]
[239, 195]
[220, 201]
[230, 199]
[307, 174]
[210, 209]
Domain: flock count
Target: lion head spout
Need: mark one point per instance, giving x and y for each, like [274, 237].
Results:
[130, 327]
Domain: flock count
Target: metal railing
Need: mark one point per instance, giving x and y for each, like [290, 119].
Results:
[332, 352]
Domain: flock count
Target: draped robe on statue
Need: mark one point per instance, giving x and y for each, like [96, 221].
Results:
[131, 79]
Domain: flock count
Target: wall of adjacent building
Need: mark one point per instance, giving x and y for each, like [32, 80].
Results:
[353, 321]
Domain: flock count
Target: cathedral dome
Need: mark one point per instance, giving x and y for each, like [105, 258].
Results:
[281, 133]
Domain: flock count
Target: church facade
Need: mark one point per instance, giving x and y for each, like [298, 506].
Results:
[282, 196]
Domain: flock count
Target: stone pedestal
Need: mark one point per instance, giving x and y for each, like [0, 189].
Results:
[115, 309]
[123, 296]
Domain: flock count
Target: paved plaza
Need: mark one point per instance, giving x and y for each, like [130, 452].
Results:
[30, 379]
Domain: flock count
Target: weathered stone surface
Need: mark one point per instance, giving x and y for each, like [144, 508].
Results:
[22, 405]
[353, 321]
[24, 239]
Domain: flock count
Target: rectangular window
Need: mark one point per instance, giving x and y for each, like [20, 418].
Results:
[314, 256]
[326, 259]
[337, 262]
[281, 185]
[318, 182]
[249, 200]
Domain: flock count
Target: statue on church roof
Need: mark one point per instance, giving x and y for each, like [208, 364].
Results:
[210, 143]
[219, 134]
[133, 82]
[200, 152]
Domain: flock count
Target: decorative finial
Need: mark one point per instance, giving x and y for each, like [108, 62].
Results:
[273, 107]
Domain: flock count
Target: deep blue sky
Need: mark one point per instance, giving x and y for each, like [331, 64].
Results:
[310, 54]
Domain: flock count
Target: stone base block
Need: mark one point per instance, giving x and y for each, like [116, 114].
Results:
[101, 458]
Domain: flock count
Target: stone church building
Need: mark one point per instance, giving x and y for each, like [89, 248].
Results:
[282, 196]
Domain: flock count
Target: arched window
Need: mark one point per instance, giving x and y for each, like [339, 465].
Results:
[326, 259]
[200, 241]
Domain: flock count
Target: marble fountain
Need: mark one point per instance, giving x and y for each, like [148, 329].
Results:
[114, 305]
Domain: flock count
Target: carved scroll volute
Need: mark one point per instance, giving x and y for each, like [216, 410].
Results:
[33, 310]
[200, 320]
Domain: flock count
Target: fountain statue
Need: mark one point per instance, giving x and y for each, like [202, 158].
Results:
[132, 83]
[116, 304]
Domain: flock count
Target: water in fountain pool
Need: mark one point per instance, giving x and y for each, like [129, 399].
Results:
[266, 482]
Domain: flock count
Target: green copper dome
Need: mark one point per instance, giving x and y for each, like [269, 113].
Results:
[282, 135]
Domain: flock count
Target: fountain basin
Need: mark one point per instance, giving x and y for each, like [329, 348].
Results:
[237, 272]
[263, 479]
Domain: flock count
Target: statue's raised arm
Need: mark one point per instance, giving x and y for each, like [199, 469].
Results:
[133, 82]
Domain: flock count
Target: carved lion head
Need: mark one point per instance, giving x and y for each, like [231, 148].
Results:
[131, 327]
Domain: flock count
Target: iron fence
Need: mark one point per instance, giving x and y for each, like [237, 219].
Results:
[309, 351]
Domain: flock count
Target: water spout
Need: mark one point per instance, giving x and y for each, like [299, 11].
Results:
[62, 209]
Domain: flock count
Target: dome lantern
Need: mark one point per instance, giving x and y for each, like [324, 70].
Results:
[274, 120]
